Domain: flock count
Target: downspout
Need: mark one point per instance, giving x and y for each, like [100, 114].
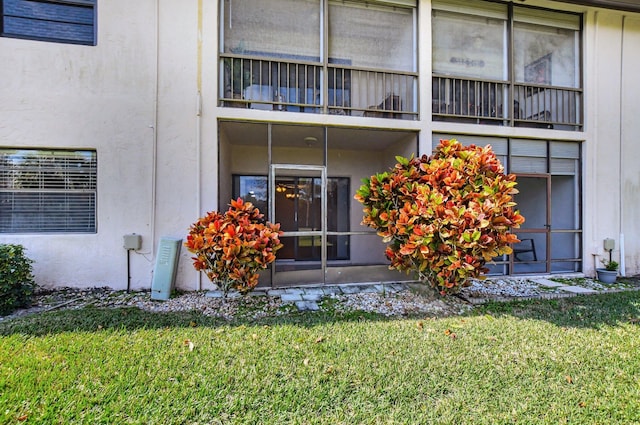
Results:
[199, 126]
[154, 129]
[620, 179]
[594, 156]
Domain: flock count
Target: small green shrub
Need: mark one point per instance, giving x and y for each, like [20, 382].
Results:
[16, 280]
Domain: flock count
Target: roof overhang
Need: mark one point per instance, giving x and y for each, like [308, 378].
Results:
[628, 5]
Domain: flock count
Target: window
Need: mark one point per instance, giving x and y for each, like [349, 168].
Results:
[47, 191]
[59, 21]
[505, 64]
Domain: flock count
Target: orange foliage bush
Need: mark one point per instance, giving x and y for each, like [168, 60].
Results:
[231, 248]
[444, 216]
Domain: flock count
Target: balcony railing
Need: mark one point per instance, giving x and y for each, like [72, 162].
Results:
[300, 86]
[477, 101]
[483, 102]
[548, 107]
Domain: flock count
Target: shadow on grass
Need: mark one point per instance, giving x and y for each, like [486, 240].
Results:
[91, 319]
[591, 311]
[583, 311]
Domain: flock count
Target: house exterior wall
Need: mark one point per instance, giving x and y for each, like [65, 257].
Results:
[145, 98]
[630, 172]
[89, 97]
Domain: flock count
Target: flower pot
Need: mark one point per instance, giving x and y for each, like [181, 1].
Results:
[607, 276]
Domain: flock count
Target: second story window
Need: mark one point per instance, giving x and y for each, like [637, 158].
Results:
[54, 20]
[502, 64]
[320, 56]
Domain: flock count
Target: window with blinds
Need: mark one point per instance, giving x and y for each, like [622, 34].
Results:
[47, 191]
[62, 21]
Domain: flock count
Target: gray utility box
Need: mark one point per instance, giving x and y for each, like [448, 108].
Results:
[164, 272]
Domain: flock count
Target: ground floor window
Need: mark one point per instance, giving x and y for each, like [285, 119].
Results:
[549, 180]
[47, 191]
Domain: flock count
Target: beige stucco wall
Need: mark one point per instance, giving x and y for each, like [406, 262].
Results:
[158, 168]
[613, 176]
[89, 97]
[630, 150]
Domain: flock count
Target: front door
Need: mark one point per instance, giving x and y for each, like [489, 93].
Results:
[297, 200]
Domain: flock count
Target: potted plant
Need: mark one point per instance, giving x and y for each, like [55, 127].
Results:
[609, 273]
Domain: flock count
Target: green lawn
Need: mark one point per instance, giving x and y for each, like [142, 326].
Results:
[572, 361]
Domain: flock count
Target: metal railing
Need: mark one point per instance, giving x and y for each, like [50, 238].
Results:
[301, 86]
[547, 107]
[478, 101]
[483, 102]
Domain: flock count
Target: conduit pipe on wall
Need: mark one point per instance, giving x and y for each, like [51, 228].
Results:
[593, 147]
[154, 139]
[620, 170]
[198, 169]
[622, 272]
[199, 124]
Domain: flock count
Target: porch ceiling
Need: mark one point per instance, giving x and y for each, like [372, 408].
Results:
[293, 135]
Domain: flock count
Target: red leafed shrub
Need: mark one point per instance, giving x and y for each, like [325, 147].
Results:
[232, 247]
[443, 216]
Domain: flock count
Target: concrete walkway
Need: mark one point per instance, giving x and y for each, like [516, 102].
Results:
[306, 298]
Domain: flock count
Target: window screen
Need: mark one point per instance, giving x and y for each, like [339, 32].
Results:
[60, 21]
[47, 191]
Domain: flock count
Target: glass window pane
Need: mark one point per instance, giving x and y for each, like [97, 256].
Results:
[532, 201]
[530, 254]
[565, 150]
[565, 246]
[498, 267]
[285, 28]
[522, 164]
[252, 189]
[469, 45]
[535, 148]
[546, 48]
[338, 200]
[566, 266]
[564, 166]
[353, 40]
[565, 199]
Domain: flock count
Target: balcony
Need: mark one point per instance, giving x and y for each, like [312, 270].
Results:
[310, 87]
[483, 102]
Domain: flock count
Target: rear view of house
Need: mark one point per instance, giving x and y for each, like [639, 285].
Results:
[138, 117]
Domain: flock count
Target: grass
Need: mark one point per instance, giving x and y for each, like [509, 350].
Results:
[621, 283]
[559, 361]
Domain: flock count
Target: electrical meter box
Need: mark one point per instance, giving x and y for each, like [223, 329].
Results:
[609, 244]
[132, 241]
